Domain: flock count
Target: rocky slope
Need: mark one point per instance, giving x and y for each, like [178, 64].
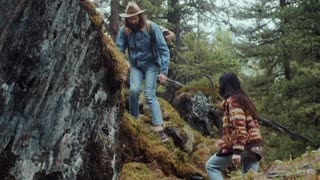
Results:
[60, 80]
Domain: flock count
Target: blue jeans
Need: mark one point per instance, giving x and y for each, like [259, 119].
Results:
[217, 163]
[149, 72]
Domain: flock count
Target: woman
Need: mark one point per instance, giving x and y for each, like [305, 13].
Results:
[241, 142]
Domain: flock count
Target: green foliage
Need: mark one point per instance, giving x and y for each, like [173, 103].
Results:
[203, 57]
[285, 55]
[284, 149]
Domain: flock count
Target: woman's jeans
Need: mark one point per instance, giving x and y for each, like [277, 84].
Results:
[149, 72]
[216, 163]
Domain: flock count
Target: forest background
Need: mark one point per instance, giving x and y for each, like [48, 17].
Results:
[273, 45]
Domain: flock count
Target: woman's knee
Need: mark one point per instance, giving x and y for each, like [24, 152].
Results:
[210, 165]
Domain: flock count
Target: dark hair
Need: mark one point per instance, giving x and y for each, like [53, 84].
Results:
[229, 85]
[142, 21]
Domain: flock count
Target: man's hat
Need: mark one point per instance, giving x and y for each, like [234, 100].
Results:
[132, 10]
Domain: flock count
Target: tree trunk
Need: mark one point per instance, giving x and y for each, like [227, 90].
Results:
[114, 19]
[286, 62]
[174, 17]
[58, 116]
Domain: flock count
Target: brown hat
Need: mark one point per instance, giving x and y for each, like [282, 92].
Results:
[132, 10]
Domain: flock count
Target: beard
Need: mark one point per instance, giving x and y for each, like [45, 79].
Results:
[134, 27]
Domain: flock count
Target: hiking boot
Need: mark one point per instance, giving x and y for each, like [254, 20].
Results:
[157, 128]
[163, 136]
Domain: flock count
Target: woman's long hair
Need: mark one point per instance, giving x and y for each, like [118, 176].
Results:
[229, 85]
[142, 22]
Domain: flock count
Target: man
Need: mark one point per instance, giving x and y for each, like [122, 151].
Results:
[148, 57]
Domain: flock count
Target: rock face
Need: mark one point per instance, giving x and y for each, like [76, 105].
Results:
[198, 112]
[59, 110]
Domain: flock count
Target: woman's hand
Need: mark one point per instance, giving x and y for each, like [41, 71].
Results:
[219, 143]
[236, 159]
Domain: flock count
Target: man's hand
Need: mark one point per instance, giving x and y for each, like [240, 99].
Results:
[162, 78]
[236, 159]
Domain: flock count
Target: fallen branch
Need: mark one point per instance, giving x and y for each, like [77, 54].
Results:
[175, 82]
[280, 128]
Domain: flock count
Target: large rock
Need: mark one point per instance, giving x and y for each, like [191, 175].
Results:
[60, 101]
[199, 112]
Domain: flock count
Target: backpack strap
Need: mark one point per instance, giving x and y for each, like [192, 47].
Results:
[152, 37]
[149, 28]
[127, 31]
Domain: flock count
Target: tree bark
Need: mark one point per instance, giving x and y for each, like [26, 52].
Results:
[114, 19]
[286, 62]
[174, 17]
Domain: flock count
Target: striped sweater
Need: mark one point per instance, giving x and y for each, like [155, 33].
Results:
[240, 130]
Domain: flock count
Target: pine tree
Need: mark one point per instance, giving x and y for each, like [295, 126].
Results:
[284, 43]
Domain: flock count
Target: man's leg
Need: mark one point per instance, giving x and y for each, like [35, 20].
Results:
[151, 72]
[217, 163]
[136, 77]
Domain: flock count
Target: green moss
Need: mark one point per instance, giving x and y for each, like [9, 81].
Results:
[136, 170]
[317, 167]
[193, 89]
[141, 144]
[167, 108]
[94, 15]
[161, 89]
[251, 175]
[113, 58]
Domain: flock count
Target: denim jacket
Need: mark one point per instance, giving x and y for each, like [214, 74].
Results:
[141, 48]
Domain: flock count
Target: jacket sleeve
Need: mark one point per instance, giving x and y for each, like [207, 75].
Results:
[238, 121]
[122, 40]
[162, 49]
